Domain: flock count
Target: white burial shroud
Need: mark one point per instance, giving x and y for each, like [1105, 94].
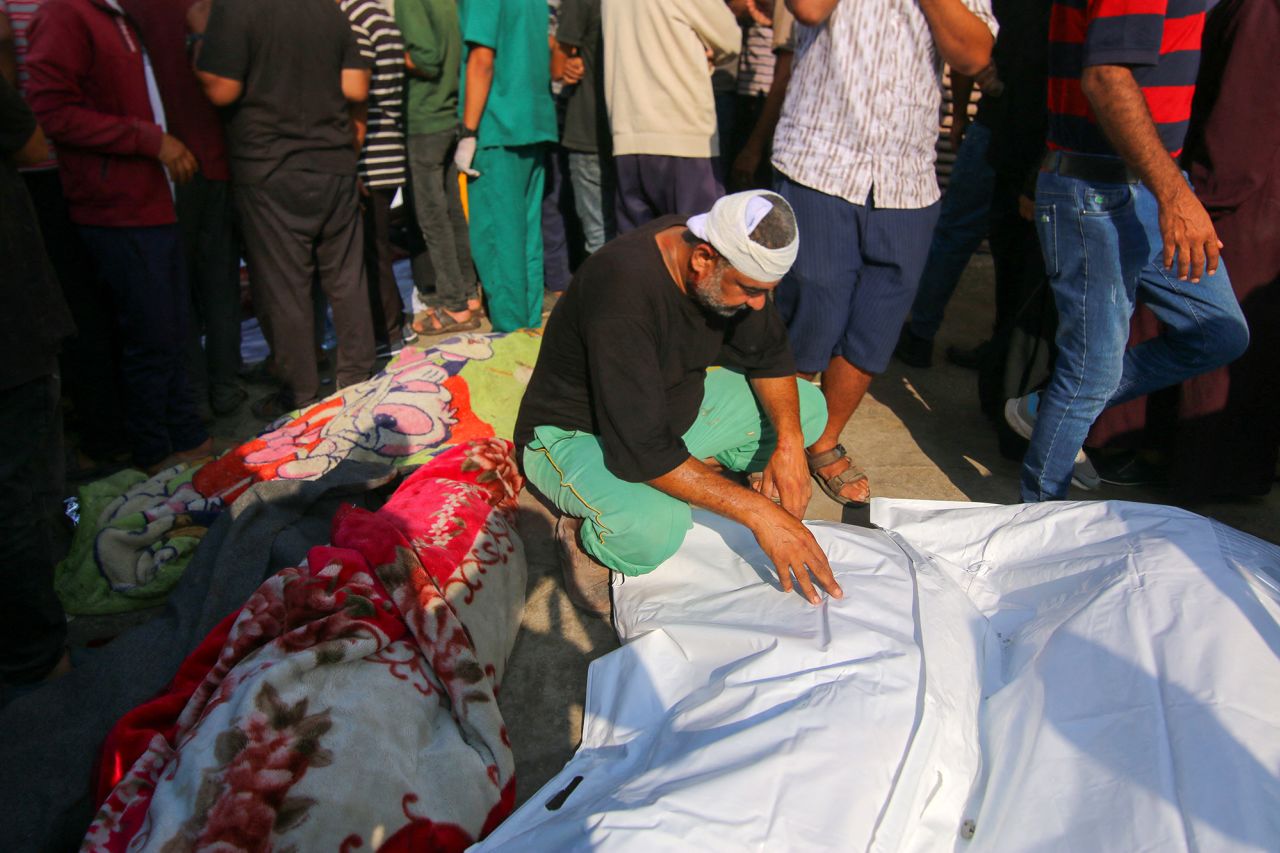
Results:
[1053, 677]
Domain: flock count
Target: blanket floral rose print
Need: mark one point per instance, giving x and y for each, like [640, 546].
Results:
[350, 704]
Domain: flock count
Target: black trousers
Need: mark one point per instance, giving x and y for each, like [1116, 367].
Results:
[385, 304]
[146, 272]
[90, 358]
[297, 225]
[207, 219]
[32, 626]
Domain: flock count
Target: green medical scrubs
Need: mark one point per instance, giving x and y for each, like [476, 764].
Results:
[505, 202]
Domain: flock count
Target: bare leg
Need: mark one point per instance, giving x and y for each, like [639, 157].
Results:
[844, 385]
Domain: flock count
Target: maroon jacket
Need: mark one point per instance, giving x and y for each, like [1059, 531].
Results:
[89, 91]
[188, 113]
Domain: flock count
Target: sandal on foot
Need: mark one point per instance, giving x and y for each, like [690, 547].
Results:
[831, 486]
[434, 325]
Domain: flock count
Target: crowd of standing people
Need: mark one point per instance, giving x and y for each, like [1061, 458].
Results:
[151, 145]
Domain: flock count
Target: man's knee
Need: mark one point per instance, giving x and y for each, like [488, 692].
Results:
[1229, 338]
[813, 411]
[639, 538]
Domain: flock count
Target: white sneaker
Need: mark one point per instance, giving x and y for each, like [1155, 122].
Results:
[1020, 415]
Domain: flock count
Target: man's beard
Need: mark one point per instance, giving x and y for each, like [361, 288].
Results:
[710, 295]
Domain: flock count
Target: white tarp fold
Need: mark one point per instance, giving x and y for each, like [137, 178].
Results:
[1095, 676]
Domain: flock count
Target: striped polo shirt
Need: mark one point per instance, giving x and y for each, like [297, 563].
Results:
[1159, 40]
[755, 67]
[382, 159]
[20, 13]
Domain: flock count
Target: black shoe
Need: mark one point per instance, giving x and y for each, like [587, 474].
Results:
[1126, 468]
[968, 358]
[913, 350]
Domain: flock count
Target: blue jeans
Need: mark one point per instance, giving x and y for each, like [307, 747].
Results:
[962, 223]
[1102, 250]
[592, 178]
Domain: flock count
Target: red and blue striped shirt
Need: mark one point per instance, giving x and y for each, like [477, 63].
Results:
[1159, 40]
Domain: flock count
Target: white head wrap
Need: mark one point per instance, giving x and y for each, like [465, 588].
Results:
[728, 226]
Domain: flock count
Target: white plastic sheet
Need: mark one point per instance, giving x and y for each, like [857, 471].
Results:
[1070, 677]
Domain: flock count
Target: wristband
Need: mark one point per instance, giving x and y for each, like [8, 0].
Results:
[465, 132]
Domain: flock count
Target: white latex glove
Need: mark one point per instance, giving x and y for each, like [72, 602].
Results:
[464, 154]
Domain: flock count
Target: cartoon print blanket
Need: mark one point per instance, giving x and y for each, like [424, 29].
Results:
[137, 534]
[351, 703]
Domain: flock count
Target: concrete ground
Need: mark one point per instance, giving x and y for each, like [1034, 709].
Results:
[919, 434]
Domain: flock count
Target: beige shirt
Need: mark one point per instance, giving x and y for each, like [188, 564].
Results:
[657, 81]
[863, 104]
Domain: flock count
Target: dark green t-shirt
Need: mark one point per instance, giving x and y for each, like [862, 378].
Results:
[433, 40]
[519, 110]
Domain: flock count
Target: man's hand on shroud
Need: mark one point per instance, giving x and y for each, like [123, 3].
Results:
[795, 553]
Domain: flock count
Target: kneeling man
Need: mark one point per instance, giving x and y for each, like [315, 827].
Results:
[622, 420]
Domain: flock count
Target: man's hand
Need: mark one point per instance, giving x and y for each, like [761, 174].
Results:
[1125, 118]
[464, 154]
[198, 16]
[177, 159]
[761, 11]
[1027, 208]
[743, 174]
[795, 554]
[1189, 235]
[574, 70]
[787, 477]
[788, 543]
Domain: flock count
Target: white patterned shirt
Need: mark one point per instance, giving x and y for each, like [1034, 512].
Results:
[863, 104]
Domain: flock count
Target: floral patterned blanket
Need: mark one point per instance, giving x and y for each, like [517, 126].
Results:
[351, 703]
[137, 534]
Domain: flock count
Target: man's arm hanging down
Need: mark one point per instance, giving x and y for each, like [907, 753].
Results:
[1123, 114]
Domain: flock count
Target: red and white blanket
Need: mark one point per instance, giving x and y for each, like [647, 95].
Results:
[351, 703]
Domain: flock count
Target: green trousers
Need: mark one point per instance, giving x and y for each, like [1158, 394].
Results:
[633, 527]
[505, 207]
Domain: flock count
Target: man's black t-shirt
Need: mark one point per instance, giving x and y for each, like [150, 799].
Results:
[625, 354]
[289, 55]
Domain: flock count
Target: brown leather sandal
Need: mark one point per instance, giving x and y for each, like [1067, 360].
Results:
[832, 485]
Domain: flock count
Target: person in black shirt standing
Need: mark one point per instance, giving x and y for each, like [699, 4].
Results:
[291, 74]
[621, 412]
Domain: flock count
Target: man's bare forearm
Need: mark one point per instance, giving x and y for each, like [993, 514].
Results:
[961, 95]
[812, 12]
[772, 109]
[479, 80]
[696, 484]
[964, 41]
[781, 403]
[1122, 112]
